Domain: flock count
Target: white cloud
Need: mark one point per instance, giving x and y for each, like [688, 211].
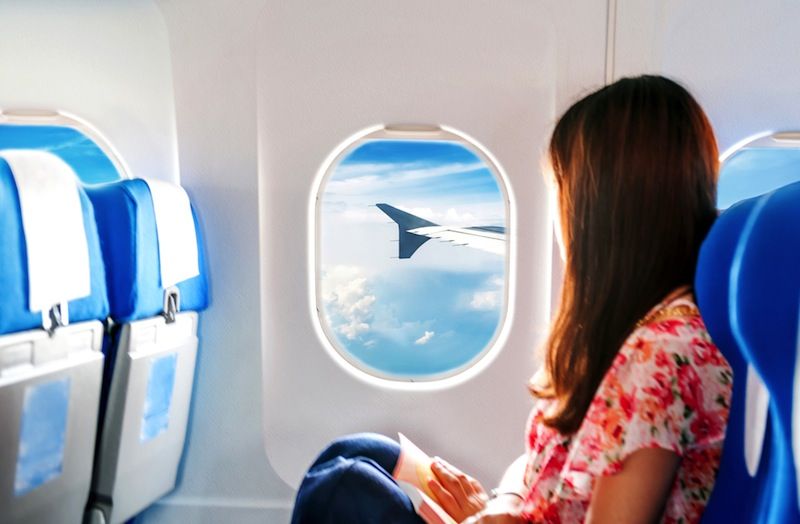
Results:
[364, 214]
[355, 185]
[490, 299]
[425, 338]
[362, 169]
[485, 300]
[362, 306]
[334, 206]
[374, 178]
[432, 172]
[496, 281]
[353, 329]
[451, 217]
[348, 300]
[454, 217]
[369, 213]
[389, 323]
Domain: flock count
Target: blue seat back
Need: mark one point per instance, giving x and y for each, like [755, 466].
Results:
[748, 290]
[126, 221]
[767, 311]
[712, 283]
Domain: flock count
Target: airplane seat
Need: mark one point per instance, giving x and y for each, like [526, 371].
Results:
[157, 285]
[748, 290]
[52, 301]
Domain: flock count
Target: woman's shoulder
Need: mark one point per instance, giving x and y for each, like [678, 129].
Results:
[667, 348]
[675, 329]
[668, 387]
[673, 351]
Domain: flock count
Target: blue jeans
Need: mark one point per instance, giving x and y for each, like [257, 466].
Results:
[351, 482]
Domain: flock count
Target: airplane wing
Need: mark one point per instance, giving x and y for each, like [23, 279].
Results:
[415, 231]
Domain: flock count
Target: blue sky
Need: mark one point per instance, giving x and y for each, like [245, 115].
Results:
[87, 160]
[435, 311]
[755, 171]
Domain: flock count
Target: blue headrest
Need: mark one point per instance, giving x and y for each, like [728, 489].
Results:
[14, 313]
[712, 277]
[127, 227]
[748, 289]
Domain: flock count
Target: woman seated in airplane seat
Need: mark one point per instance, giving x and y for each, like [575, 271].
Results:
[631, 403]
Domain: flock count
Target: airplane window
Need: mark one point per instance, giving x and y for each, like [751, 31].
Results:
[759, 167]
[412, 255]
[89, 161]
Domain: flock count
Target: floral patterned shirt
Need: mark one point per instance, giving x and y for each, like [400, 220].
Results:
[669, 387]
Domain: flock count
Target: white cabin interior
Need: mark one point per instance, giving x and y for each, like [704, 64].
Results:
[245, 104]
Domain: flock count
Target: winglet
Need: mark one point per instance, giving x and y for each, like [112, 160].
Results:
[409, 242]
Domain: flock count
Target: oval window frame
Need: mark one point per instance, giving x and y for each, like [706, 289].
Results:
[342, 357]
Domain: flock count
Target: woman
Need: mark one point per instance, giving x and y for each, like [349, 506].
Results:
[632, 400]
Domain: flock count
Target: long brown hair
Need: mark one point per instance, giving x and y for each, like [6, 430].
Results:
[635, 165]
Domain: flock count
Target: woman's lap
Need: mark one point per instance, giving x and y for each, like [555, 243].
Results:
[383, 450]
[351, 482]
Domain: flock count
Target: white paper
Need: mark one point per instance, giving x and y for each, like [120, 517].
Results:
[413, 466]
[52, 218]
[177, 238]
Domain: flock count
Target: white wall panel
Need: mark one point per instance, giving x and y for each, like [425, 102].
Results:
[496, 71]
[108, 63]
[738, 57]
[226, 476]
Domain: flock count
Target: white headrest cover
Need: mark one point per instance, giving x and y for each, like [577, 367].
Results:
[52, 219]
[177, 238]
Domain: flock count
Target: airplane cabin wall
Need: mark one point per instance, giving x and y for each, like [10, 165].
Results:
[107, 63]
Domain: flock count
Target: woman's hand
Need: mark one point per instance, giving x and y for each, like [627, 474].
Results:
[460, 495]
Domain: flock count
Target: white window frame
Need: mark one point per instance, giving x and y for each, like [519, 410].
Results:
[328, 339]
